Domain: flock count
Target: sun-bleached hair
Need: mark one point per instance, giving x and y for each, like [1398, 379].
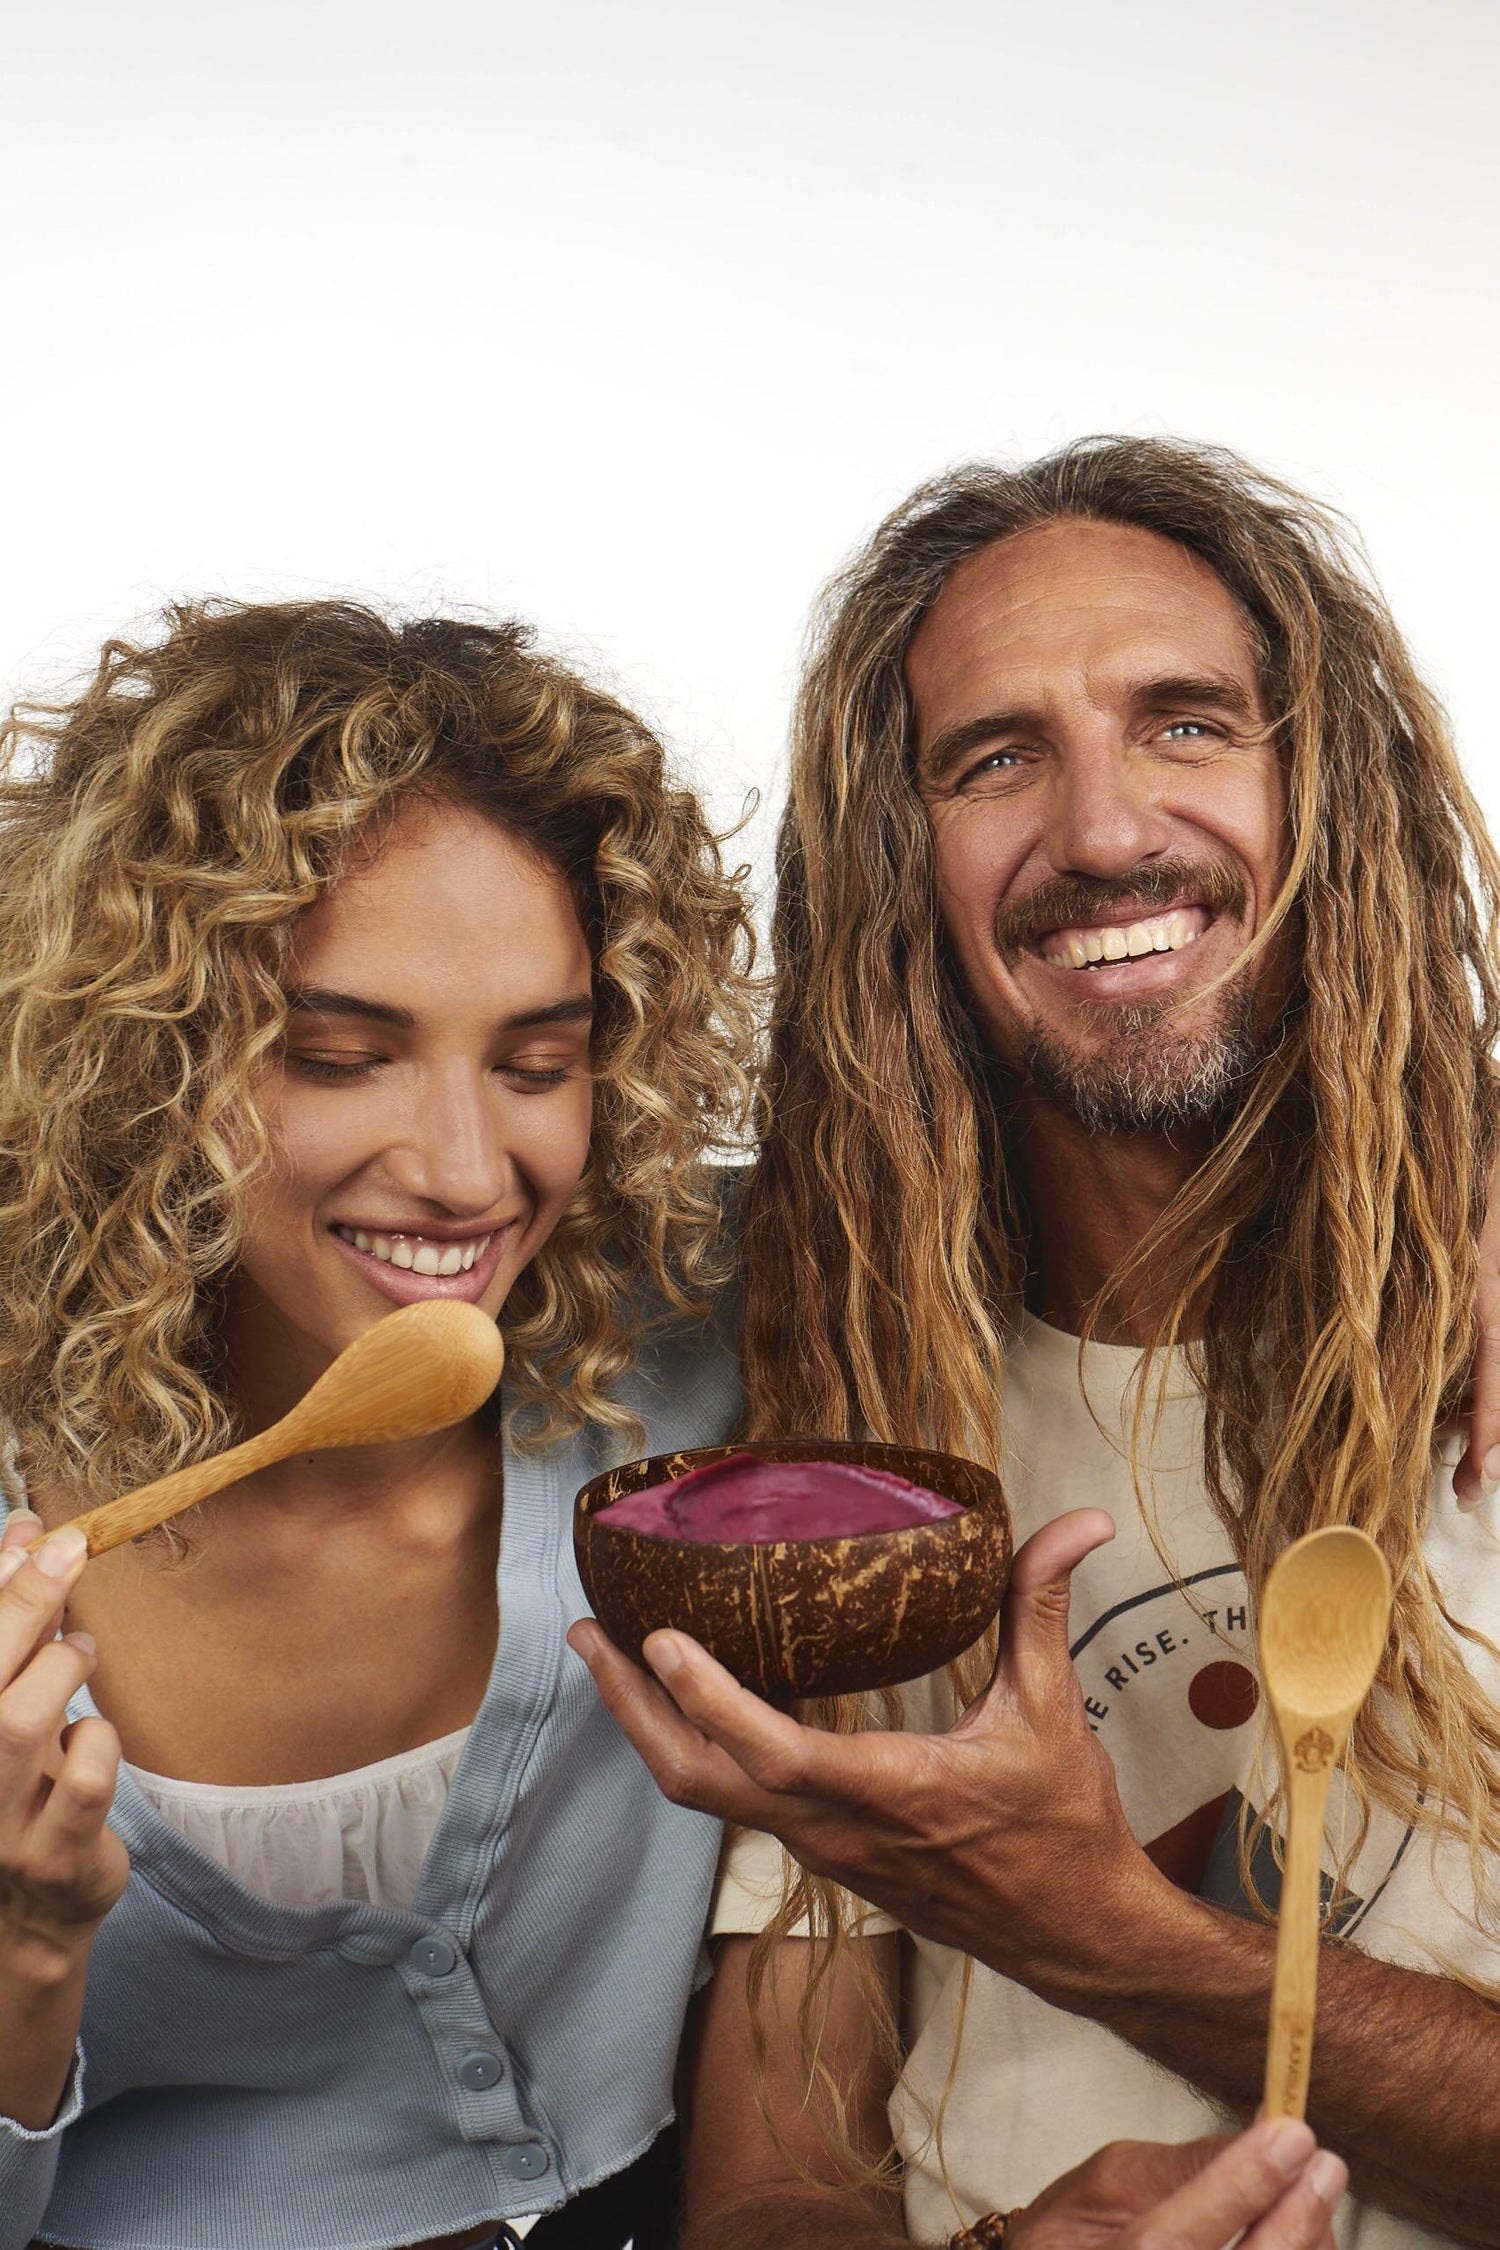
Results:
[1333, 1223]
[160, 835]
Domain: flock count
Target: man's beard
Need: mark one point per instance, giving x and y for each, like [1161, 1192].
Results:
[1149, 1078]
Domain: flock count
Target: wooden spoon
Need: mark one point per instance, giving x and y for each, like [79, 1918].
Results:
[1324, 1617]
[430, 1364]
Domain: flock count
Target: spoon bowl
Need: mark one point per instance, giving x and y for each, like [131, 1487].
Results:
[1324, 1618]
[421, 1368]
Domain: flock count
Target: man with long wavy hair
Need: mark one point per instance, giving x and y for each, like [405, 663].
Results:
[1130, 1115]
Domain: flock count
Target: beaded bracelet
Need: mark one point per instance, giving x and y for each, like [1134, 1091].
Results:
[985, 2234]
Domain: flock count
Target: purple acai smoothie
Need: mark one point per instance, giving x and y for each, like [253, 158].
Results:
[746, 1500]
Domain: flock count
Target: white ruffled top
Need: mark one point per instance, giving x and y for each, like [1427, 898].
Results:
[359, 1835]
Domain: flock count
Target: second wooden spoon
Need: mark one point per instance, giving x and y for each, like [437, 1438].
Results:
[1324, 1617]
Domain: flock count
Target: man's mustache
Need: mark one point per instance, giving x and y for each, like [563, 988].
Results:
[1154, 887]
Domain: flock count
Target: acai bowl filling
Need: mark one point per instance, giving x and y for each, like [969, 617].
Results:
[743, 1500]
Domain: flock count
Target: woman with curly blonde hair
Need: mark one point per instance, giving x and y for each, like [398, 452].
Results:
[342, 963]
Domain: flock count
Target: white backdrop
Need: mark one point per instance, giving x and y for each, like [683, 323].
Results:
[633, 317]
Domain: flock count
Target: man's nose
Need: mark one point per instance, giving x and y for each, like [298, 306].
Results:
[454, 1151]
[1104, 816]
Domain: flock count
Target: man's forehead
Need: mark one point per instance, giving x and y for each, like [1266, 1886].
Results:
[1073, 606]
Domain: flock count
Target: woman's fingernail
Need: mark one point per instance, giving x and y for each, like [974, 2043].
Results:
[1327, 2176]
[60, 1551]
[84, 1641]
[10, 1563]
[1290, 2145]
[26, 1517]
[663, 1655]
[1490, 1471]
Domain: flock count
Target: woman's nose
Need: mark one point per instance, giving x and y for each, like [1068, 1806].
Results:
[454, 1150]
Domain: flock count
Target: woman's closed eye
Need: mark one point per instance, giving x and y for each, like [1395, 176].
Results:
[346, 1069]
[536, 1079]
[333, 1068]
[536, 1073]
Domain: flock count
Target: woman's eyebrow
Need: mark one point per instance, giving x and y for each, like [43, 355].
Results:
[322, 1000]
[579, 1009]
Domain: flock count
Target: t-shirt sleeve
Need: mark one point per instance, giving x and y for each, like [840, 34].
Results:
[28, 2163]
[752, 1870]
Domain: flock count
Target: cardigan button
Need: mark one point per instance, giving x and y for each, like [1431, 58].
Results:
[479, 2070]
[434, 1956]
[528, 2160]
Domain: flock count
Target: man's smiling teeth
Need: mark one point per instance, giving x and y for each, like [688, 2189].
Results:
[1080, 949]
[419, 1256]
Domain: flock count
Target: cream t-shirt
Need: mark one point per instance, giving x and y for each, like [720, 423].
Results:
[1165, 1656]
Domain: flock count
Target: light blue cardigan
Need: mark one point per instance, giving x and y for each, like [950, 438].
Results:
[258, 2077]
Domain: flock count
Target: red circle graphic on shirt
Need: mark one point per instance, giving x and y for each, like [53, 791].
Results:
[1223, 1694]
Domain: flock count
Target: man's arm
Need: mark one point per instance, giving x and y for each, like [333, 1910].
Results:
[1404, 2064]
[1006, 1838]
[743, 2192]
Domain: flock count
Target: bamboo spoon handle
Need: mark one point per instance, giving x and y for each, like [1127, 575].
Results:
[1294, 1990]
[118, 1520]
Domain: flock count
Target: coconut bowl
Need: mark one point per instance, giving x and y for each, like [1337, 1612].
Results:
[804, 1617]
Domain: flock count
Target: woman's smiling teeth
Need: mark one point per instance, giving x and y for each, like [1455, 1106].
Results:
[414, 1255]
[1164, 933]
